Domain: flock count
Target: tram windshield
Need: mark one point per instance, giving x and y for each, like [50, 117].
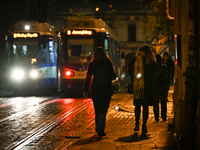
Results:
[25, 48]
[80, 51]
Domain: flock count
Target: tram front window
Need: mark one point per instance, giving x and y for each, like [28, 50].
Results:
[25, 48]
[79, 51]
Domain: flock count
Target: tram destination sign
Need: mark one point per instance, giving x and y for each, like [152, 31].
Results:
[80, 32]
[25, 35]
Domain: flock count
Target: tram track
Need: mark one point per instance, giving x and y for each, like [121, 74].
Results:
[109, 115]
[60, 118]
[40, 132]
[25, 111]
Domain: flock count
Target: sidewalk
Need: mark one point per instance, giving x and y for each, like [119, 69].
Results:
[120, 134]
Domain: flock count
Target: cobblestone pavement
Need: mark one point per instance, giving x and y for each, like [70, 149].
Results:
[119, 130]
[120, 134]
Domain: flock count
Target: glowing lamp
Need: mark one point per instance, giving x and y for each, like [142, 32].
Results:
[27, 27]
[97, 9]
[69, 73]
[33, 60]
[176, 61]
[18, 74]
[34, 74]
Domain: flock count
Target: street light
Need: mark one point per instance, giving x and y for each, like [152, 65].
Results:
[97, 9]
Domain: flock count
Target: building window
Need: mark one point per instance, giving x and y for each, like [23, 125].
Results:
[131, 33]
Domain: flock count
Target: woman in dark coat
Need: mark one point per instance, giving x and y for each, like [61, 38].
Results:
[102, 72]
[142, 68]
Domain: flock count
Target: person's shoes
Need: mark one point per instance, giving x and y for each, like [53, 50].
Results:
[157, 120]
[136, 128]
[101, 133]
[144, 129]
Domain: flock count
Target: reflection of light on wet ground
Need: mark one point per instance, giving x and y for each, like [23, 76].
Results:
[116, 108]
[20, 103]
[67, 100]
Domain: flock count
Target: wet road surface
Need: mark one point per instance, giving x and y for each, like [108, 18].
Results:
[25, 121]
[52, 122]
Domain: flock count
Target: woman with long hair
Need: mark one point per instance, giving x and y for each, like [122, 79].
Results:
[101, 72]
[142, 68]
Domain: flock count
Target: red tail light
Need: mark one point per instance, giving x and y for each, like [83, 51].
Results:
[176, 61]
[69, 73]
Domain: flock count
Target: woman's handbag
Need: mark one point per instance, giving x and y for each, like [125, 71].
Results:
[129, 88]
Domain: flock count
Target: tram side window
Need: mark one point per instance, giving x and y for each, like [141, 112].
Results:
[14, 49]
[51, 52]
[111, 48]
[44, 46]
[43, 56]
[106, 44]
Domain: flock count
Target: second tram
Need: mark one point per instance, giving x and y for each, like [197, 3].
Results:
[80, 37]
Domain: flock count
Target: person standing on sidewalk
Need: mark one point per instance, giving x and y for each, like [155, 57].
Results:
[101, 69]
[162, 78]
[170, 64]
[142, 69]
[156, 57]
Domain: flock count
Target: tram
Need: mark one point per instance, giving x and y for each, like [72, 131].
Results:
[33, 54]
[80, 37]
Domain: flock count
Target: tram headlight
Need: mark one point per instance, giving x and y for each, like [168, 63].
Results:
[34, 74]
[18, 74]
[26, 27]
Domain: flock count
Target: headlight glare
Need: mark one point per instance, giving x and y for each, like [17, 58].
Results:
[18, 74]
[34, 74]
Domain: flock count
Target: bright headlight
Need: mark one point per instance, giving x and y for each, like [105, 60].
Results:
[18, 74]
[34, 74]
[27, 27]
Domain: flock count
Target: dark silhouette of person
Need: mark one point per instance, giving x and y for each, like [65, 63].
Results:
[162, 79]
[101, 69]
[170, 63]
[156, 56]
[142, 69]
